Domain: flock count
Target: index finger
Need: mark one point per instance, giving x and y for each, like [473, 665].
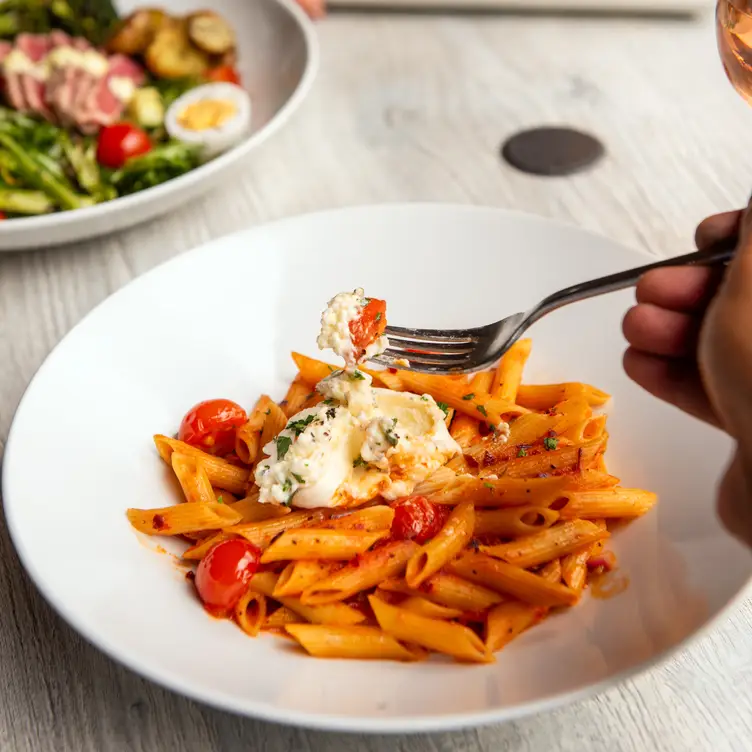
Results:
[717, 227]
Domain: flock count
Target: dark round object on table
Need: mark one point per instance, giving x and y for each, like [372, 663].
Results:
[552, 151]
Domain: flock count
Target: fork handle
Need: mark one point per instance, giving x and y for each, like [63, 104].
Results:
[719, 253]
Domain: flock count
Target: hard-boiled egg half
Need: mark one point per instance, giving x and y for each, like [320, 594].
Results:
[215, 117]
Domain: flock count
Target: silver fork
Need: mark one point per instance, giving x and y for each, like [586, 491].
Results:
[467, 350]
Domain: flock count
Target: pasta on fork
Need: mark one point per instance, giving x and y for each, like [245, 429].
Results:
[384, 514]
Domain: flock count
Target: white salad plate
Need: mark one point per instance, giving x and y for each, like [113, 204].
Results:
[80, 452]
[277, 60]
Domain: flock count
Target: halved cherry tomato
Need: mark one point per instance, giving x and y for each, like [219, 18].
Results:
[370, 325]
[223, 574]
[211, 425]
[223, 74]
[119, 142]
[418, 519]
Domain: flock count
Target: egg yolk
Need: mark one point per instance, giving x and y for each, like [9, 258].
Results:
[206, 114]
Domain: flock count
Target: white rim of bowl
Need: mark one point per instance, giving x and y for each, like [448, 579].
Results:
[56, 219]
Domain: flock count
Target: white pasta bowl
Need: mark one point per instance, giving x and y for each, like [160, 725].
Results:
[278, 59]
[134, 366]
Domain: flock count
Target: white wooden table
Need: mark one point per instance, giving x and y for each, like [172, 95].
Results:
[410, 108]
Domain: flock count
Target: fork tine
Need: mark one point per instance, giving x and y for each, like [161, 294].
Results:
[424, 358]
[432, 335]
[406, 348]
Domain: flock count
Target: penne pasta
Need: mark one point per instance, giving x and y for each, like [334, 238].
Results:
[193, 479]
[250, 612]
[371, 519]
[262, 533]
[362, 643]
[525, 512]
[514, 521]
[444, 637]
[566, 459]
[298, 395]
[508, 376]
[448, 542]
[248, 436]
[450, 591]
[608, 503]
[508, 620]
[445, 487]
[461, 398]
[511, 580]
[423, 607]
[545, 396]
[252, 511]
[371, 568]
[182, 518]
[280, 617]
[222, 474]
[339, 614]
[316, 543]
[554, 542]
[298, 575]
[274, 421]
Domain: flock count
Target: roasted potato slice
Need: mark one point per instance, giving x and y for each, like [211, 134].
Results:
[210, 32]
[136, 32]
[171, 54]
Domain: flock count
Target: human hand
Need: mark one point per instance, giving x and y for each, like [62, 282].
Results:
[691, 346]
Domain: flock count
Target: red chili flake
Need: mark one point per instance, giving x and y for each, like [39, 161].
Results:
[392, 370]
[158, 523]
[190, 575]
[483, 429]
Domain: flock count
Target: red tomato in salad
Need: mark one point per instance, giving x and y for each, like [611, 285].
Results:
[211, 425]
[223, 574]
[119, 142]
[314, 8]
[370, 325]
[227, 74]
[417, 519]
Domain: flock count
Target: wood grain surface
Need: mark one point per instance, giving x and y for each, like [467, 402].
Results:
[411, 108]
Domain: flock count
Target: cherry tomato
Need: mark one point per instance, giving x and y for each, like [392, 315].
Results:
[223, 574]
[418, 519]
[223, 74]
[314, 8]
[119, 142]
[3, 216]
[211, 425]
[370, 325]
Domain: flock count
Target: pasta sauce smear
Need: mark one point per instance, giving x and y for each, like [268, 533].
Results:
[387, 514]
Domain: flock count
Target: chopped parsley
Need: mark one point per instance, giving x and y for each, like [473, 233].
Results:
[468, 396]
[359, 462]
[522, 452]
[298, 426]
[329, 402]
[492, 428]
[550, 443]
[425, 398]
[283, 444]
[481, 410]
[287, 486]
[390, 435]
[220, 500]
[298, 478]
[268, 411]
[489, 485]
[443, 407]
[310, 395]
[378, 316]
[356, 376]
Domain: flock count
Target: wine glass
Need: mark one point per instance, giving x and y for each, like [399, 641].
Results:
[734, 31]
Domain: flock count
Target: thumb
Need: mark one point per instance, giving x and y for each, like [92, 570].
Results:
[737, 284]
